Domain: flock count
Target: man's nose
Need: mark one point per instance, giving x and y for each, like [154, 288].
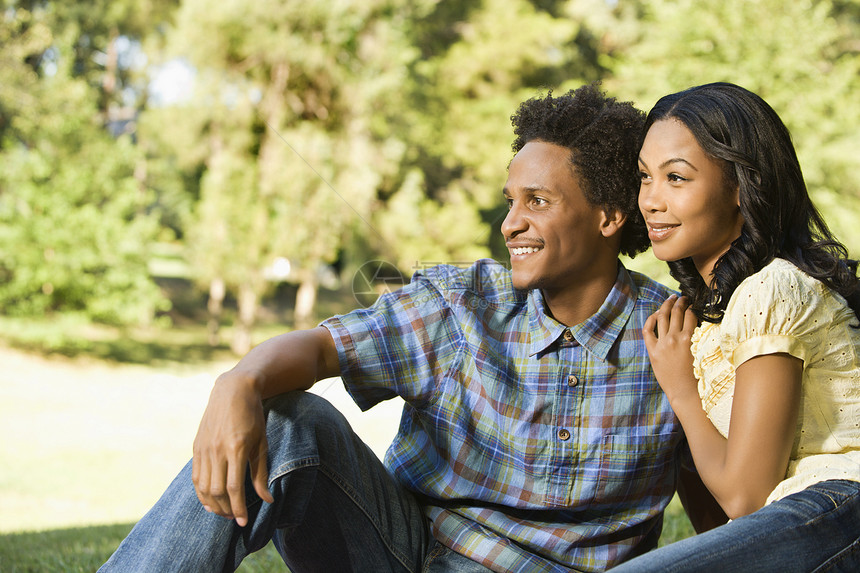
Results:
[514, 222]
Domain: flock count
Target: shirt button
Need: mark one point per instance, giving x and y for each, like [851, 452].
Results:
[568, 335]
[572, 380]
[563, 435]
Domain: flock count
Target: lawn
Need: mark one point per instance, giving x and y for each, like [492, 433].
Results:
[89, 444]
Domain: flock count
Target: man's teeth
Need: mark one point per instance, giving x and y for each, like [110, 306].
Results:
[524, 250]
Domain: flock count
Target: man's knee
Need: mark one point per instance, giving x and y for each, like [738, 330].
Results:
[300, 407]
[306, 424]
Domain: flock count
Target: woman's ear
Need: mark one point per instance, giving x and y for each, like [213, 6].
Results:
[612, 221]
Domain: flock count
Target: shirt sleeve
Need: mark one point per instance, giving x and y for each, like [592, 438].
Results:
[400, 346]
[773, 311]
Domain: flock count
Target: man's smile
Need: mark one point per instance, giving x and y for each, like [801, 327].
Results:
[523, 250]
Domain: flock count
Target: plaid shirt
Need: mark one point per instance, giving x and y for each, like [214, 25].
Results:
[534, 447]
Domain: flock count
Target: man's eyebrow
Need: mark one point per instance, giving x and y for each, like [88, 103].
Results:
[530, 189]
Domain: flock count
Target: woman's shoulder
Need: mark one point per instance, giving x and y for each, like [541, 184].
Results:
[779, 279]
[778, 298]
[779, 268]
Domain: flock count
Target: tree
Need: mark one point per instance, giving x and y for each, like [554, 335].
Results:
[73, 222]
[478, 61]
[292, 161]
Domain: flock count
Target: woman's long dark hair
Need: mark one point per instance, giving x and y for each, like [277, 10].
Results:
[741, 131]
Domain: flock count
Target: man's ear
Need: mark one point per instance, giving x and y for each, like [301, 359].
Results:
[611, 222]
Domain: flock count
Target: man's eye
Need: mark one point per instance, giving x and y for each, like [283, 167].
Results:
[539, 201]
[510, 203]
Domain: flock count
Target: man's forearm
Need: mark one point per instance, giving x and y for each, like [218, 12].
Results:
[291, 361]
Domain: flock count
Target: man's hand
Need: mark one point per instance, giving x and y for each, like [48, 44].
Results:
[231, 437]
[232, 434]
[667, 335]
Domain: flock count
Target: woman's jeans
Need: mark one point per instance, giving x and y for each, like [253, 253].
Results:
[817, 529]
[336, 509]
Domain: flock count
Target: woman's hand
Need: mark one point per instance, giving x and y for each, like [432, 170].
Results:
[667, 335]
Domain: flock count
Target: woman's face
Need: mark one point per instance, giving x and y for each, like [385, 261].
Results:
[689, 208]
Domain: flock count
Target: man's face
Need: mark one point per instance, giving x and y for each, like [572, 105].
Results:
[552, 233]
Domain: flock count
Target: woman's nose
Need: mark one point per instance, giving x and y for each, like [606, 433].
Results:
[649, 198]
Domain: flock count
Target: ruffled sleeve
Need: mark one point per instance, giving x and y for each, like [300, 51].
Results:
[778, 309]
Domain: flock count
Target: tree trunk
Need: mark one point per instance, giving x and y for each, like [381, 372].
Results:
[215, 306]
[111, 73]
[247, 301]
[306, 300]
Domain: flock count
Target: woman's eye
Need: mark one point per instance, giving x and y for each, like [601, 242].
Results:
[675, 177]
[644, 176]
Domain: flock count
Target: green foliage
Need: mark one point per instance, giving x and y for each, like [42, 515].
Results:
[479, 61]
[337, 131]
[283, 132]
[73, 227]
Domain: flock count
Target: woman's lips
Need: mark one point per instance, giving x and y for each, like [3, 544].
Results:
[659, 231]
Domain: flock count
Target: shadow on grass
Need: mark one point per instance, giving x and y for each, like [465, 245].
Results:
[73, 337]
[127, 350]
[85, 549]
[180, 336]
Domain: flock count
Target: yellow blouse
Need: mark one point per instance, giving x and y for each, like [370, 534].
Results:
[782, 309]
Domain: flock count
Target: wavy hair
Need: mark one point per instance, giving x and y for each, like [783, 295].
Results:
[745, 135]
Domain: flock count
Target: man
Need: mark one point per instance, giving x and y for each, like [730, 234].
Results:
[533, 437]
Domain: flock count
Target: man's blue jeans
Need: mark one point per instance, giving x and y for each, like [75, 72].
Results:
[336, 509]
[817, 529]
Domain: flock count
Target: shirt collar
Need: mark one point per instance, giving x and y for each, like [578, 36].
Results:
[598, 333]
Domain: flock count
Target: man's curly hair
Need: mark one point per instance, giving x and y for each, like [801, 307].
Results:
[604, 136]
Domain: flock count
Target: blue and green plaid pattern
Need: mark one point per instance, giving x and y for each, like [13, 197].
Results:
[535, 446]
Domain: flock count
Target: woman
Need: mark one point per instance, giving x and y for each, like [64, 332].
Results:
[769, 397]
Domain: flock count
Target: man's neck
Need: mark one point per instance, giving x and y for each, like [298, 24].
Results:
[578, 302]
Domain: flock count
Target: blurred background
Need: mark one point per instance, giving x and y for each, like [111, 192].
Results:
[180, 180]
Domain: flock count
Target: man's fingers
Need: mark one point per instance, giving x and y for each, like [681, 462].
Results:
[201, 476]
[260, 476]
[211, 491]
[235, 485]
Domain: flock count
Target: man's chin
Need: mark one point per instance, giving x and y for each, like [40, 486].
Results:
[521, 283]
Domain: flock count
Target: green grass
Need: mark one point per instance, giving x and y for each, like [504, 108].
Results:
[676, 526]
[85, 549]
